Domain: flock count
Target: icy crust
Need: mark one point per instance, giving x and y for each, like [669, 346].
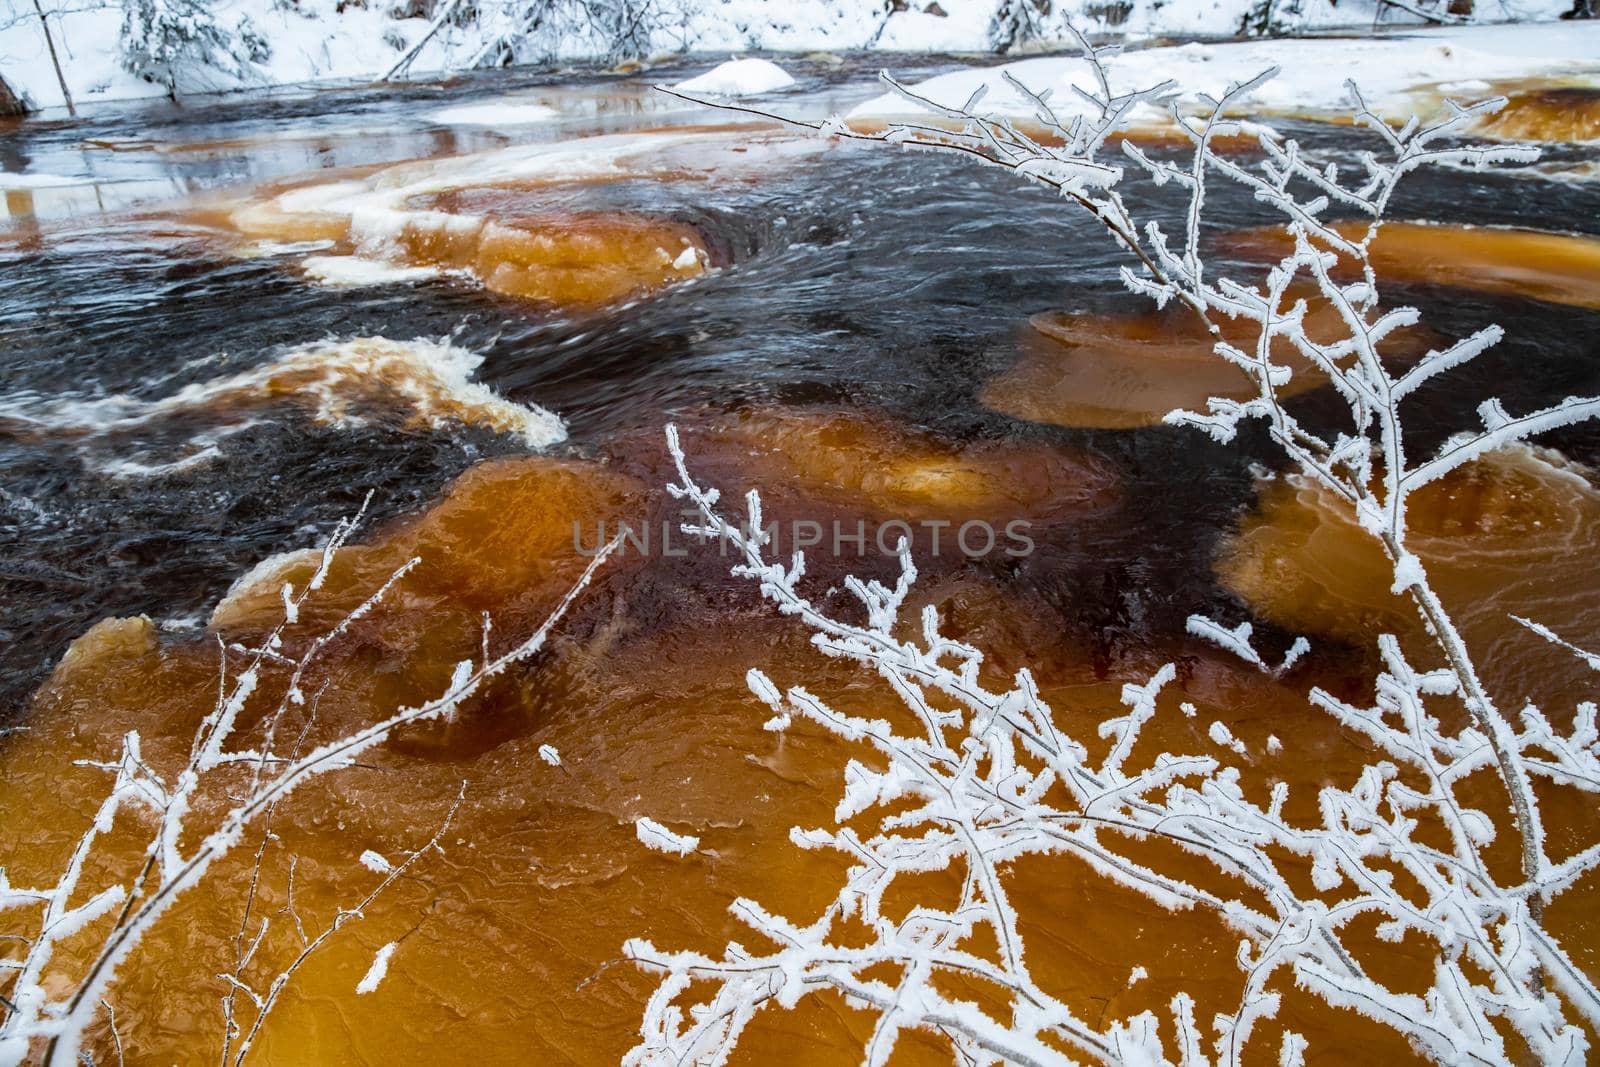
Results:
[497, 114]
[1461, 61]
[38, 181]
[354, 272]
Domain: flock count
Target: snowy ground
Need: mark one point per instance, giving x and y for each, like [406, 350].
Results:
[1312, 72]
[314, 40]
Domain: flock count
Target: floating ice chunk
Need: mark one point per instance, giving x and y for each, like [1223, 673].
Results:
[549, 754]
[739, 77]
[372, 861]
[655, 836]
[379, 968]
[352, 272]
[502, 113]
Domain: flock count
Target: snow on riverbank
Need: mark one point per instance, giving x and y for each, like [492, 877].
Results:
[1461, 61]
[311, 40]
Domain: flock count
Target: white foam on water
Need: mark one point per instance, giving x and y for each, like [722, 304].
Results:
[354, 272]
[338, 383]
[379, 208]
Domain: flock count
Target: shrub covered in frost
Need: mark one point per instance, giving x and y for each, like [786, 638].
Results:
[967, 777]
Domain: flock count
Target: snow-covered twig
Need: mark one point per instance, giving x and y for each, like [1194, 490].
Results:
[266, 1000]
[969, 779]
[51, 1010]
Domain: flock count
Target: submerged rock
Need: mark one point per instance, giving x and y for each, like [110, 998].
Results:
[1507, 534]
[1126, 371]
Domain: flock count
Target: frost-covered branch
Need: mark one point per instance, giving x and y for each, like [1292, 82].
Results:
[49, 1009]
[236, 1041]
[1364, 465]
[966, 778]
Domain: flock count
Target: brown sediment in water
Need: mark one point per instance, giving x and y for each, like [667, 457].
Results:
[1127, 371]
[503, 534]
[580, 260]
[491, 215]
[1556, 114]
[1555, 267]
[869, 463]
[1508, 534]
[510, 944]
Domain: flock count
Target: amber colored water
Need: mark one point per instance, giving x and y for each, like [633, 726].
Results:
[1119, 373]
[514, 933]
[1559, 113]
[865, 337]
[1506, 535]
[1556, 267]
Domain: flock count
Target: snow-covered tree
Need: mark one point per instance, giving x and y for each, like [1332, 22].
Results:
[180, 44]
[533, 31]
[1016, 22]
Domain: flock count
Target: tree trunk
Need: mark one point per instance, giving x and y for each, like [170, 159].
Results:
[10, 102]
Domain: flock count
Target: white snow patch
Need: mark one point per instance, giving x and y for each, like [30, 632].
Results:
[354, 272]
[372, 861]
[328, 39]
[739, 77]
[379, 968]
[494, 114]
[1312, 73]
[653, 835]
[549, 754]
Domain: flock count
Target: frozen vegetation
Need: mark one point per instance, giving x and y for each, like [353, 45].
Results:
[223, 798]
[969, 778]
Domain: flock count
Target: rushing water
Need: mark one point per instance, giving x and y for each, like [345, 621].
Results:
[858, 345]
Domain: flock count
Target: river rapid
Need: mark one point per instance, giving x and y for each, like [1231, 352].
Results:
[476, 304]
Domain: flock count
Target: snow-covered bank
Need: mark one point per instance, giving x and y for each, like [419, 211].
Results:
[1390, 71]
[210, 45]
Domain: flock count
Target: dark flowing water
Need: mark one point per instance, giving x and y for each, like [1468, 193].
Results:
[873, 280]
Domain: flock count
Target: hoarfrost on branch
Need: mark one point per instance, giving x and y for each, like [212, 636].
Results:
[968, 778]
